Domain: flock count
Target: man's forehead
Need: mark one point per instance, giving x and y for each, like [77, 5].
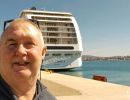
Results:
[20, 27]
[25, 28]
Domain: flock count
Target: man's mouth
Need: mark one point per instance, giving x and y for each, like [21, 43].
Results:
[25, 63]
[20, 67]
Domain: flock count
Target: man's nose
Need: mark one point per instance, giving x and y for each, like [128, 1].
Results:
[21, 51]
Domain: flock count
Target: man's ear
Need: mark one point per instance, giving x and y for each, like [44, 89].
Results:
[44, 51]
[0, 46]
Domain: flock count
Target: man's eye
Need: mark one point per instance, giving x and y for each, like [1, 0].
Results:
[29, 44]
[12, 45]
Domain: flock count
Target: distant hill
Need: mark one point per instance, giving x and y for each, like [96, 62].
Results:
[95, 58]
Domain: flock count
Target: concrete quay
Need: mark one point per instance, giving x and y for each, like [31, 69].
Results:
[66, 87]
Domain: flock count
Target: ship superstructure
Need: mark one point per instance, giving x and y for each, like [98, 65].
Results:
[62, 38]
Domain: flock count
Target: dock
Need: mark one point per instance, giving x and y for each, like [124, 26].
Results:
[66, 87]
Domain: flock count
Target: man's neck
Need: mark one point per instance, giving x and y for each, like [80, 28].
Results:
[24, 89]
[24, 92]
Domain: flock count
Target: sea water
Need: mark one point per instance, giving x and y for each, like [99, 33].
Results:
[116, 71]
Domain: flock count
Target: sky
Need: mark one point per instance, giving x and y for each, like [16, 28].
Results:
[104, 24]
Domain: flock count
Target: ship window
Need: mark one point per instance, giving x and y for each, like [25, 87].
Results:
[68, 54]
[53, 41]
[75, 41]
[71, 24]
[61, 47]
[73, 34]
[53, 34]
[56, 54]
[50, 24]
[52, 29]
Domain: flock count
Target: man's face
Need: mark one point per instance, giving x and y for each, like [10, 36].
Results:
[21, 52]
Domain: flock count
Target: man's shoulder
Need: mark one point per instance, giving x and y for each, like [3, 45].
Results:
[43, 93]
[5, 91]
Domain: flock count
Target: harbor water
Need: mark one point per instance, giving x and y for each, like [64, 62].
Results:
[116, 71]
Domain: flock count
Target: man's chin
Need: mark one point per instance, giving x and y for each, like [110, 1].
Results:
[23, 74]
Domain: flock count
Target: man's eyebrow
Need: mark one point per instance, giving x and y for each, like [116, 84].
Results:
[9, 40]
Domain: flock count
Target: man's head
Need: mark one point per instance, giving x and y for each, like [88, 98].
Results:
[21, 51]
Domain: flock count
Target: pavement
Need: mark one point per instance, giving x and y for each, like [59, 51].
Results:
[66, 87]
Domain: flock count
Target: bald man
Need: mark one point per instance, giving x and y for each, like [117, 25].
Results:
[21, 52]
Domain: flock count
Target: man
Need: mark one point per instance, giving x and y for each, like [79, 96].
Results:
[21, 51]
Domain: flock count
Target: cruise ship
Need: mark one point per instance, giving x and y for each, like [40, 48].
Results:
[61, 36]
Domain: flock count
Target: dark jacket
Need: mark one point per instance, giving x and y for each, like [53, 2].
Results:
[41, 92]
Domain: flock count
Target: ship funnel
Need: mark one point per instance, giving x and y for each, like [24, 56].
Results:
[33, 8]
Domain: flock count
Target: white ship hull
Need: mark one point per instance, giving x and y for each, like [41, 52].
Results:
[62, 62]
